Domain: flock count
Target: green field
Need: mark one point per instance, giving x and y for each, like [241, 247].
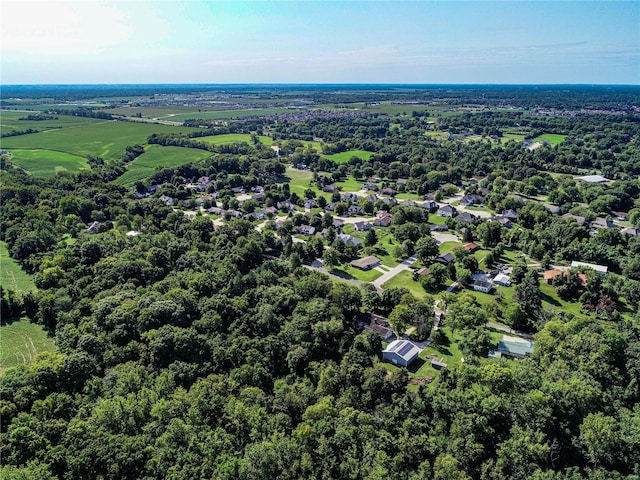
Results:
[20, 342]
[10, 122]
[234, 138]
[405, 280]
[346, 156]
[107, 138]
[552, 138]
[157, 156]
[223, 114]
[12, 276]
[46, 163]
[362, 275]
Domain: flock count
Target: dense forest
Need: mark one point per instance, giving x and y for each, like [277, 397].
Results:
[196, 350]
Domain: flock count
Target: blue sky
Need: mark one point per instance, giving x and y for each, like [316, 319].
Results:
[319, 42]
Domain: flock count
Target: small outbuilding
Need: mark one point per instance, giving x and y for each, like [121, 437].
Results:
[401, 352]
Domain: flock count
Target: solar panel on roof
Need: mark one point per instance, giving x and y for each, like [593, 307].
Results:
[405, 349]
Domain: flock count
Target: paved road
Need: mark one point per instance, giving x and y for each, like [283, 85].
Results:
[405, 265]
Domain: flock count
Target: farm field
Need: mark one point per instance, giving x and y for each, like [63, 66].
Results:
[157, 156]
[106, 138]
[234, 138]
[225, 114]
[552, 138]
[12, 276]
[344, 157]
[10, 122]
[46, 163]
[21, 341]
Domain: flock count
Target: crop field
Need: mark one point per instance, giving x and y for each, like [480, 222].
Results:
[223, 114]
[157, 156]
[234, 138]
[12, 276]
[21, 341]
[46, 163]
[552, 138]
[344, 157]
[10, 122]
[106, 138]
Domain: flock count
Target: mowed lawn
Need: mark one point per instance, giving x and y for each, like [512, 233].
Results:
[46, 163]
[552, 138]
[157, 156]
[234, 138]
[12, 276]
[107, 139]
[21, 341]
[344, 157]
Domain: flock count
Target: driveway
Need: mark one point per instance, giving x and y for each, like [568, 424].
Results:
[405, 265]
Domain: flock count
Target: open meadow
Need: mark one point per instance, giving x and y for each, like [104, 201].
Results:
[46, 163]
[12, 276]
[21, 341]
[344, 157]
[234, 138]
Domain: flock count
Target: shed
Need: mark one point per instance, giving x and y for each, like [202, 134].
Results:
[401, 352]
[502, 279]
[515, 349]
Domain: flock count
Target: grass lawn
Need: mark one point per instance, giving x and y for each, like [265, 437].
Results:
[234, 138]
[344, 157]
[447, 247]
[405, 279]
[552, 138]
[363, 276]
[158, 156]
[350, 185]
[298, 181]
[12, 276]
[437, 219]
[550, 298]
[46, 163]
[385, 246]
[21, 341]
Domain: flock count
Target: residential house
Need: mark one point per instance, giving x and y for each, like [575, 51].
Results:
[472, 199]
[447, 211]
[215, 211]
[310, 203]
[234, 213]
[238, 190]
[430, 206]
[374, 323]
[601, 222]
[482, 286]
[445, 258]
[269, 211]
[630, 231]
[468, 218]
[553, 209]
[330, 188]
[511, 215]
[389, 201]
[349, 196]
[382, 221]
[401, 352]
[388, 191]
[421, 272]
[502, 220]
[366, 263]
[338, 222]
[348, 239]
[362, 226]
[372, 198]
[355, 210]
[285, 205]
[409, 203]
[438, 228]
[401, 181]
[472, 247]
[166, 199]
[371, 187]
[330, 207]
[306, 230]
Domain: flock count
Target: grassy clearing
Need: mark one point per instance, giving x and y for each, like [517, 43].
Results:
[298, 181]
[107, 138]
[344, 157]
[447, 247]
[234, 138]
[21, 341]
[363, 276]
[157, 156]
[12, 276]
[10, 122]
[405, 280]
[552, 138]
[350, 185]
[46, 163]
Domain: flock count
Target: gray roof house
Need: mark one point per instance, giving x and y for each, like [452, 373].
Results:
[447, 211]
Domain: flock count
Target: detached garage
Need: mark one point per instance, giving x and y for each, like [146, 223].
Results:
[401, 352]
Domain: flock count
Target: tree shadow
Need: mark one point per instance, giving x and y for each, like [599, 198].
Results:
[549, 299]
[8, 321]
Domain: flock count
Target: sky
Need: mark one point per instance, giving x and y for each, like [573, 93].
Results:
[415, 42]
